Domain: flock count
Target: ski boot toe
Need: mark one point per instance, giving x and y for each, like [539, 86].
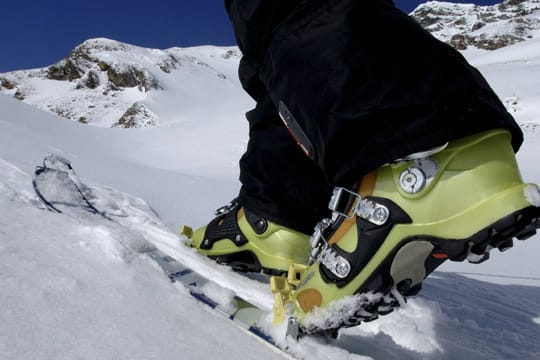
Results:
[249, 243]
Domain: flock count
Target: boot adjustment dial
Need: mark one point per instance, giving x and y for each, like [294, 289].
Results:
[418, 175]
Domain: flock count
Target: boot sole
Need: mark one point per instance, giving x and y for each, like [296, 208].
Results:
[246, 261]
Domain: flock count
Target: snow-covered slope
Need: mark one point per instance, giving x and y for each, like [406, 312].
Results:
[482, 27]
[89, 285]
[514, 73]
[107, 83]
[85, 290]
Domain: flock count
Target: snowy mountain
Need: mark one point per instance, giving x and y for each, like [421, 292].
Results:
[107, 83]
[482, 27]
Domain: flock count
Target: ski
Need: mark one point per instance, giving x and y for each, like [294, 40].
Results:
[246, 315]
[62, 192]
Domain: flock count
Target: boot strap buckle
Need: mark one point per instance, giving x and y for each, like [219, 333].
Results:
[350, 204]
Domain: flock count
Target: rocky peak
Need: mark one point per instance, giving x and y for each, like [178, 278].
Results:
[483, 27]
[90, 64]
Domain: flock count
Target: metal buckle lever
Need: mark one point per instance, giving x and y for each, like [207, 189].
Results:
[318, 240]
[226, 208]
[349, 204]
[340, 200]
[373, 212]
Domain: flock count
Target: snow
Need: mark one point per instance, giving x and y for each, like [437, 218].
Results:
[420, 316]
[513, 73]
[84, 288]
[532, 193]
[72, 290]
[480, 27]
[164, 91]
[88, 284]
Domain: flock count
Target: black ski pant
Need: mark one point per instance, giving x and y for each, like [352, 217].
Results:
[358, 84]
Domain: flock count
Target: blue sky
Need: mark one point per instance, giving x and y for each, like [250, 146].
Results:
[39, 33]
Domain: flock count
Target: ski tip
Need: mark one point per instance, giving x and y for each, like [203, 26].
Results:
[186, 231]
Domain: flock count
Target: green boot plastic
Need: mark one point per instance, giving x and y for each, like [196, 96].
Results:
[407, 218]
[246, 242]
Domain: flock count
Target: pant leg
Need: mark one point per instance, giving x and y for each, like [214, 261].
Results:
[253, 23]
[278, 181]
[366, 85]
[359, 83]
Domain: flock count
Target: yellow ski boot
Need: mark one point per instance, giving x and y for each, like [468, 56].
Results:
[402, 222]
[247, 242]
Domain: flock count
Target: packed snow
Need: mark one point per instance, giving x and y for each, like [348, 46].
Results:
[83, 288]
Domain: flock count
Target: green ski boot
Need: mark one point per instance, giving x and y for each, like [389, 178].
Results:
[247, 242]
[402, 222]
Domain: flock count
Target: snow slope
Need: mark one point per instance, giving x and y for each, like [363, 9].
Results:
[89, 285]
[513, 72]
[85, 290]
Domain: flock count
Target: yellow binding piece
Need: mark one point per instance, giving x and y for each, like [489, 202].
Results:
[283, 288]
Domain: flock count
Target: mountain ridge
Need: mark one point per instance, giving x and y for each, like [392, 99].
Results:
[483, 27]
[107, 83]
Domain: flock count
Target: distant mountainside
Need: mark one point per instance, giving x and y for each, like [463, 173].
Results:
[483, 27]
[107, 83]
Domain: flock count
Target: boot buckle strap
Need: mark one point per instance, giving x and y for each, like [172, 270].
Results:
[226, 208]
[318, 239]
[350, 204]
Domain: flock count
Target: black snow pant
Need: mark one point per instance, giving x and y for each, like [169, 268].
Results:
[359, 84]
